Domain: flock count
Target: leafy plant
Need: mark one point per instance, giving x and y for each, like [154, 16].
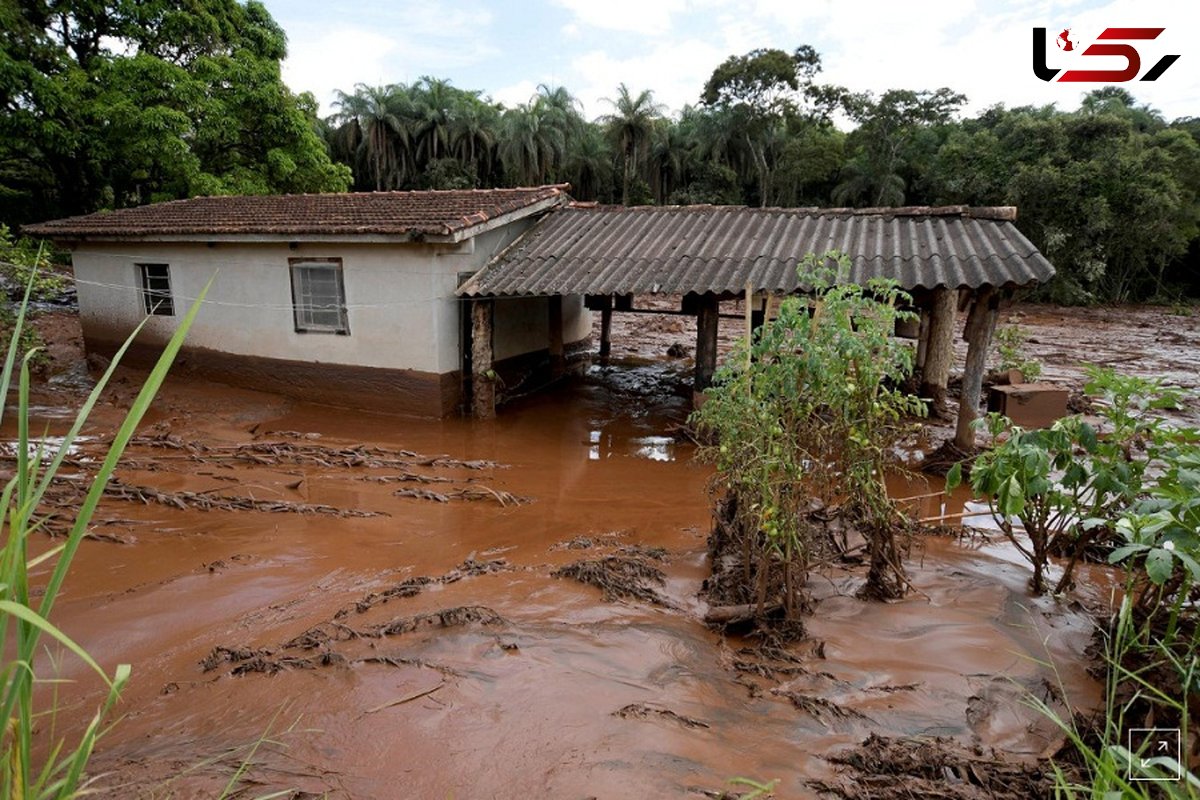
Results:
[23, 619]
[805, 416]
[1162, 538]
[1010, 345]
[1061, 489]
[26, 261]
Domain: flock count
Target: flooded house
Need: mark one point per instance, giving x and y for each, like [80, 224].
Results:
[436, 301]
[346, 299]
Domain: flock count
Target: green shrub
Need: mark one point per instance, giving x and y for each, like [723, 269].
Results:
[26, 262]
[1067, 485]
[1010, 346]
[807, 415]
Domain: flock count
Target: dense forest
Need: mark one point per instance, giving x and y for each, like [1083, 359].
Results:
[131, 101]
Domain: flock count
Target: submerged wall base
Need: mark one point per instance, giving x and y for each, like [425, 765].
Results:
[425, 394]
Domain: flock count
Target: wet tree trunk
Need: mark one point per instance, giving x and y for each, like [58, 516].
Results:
[922, 340]
[939, 351]
[483, 378]
[981, 322]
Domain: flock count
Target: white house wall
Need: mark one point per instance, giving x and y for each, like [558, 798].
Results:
[402, 312]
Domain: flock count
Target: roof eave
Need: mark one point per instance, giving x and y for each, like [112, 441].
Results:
[545, 204]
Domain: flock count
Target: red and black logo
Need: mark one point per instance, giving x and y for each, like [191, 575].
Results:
[1110, 43]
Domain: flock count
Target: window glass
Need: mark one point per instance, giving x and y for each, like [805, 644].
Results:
[156, 290]
[318, 297]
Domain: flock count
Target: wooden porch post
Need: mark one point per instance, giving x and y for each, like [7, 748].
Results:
[981, 322]
[606, 327]
[558, 361]
[922, 339]
[483, 379]
[707, 318]
[939, 351]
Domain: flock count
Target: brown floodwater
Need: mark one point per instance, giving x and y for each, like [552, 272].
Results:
[526, 706]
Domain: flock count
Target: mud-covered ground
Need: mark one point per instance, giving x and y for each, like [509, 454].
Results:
[402, 608]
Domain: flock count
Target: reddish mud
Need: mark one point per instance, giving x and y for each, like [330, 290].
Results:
[493, 678]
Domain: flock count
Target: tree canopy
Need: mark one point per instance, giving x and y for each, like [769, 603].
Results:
[110, 104]
[121, 102]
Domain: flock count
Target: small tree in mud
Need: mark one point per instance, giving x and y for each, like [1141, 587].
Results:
[1060, 490]
[800, 426]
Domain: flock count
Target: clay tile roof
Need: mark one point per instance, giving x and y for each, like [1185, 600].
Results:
[413, 214]
[589, 249]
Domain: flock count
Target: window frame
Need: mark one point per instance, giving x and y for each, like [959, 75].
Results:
[155, 301]
[296, 266]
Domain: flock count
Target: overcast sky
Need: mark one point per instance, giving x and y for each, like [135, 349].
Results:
[506, 49]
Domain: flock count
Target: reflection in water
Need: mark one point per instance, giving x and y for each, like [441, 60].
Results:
[603, 445]
[656, 448]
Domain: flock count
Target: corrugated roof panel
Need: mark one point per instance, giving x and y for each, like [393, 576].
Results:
[614, 250]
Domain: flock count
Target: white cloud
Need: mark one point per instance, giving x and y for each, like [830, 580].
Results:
[336, 59]
[636, 16]
[516, 94]
[394, 43]
[675, 71]
[980, 49]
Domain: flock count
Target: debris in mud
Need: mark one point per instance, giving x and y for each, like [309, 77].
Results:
[208, 501]
[408, 698]
[642, 551]
[620, 576]
[820, 709]
[411, 477]
[262, 660]
[942, 459]
[643, 711]
[467, 493]
[272, 453]
[589, 542]
[446, 618]
[411, 587]
[321, 637]
[578, 543]
[938, 769]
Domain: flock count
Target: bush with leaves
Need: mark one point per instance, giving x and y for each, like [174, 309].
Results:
[1010, 346]
[1161, 535]
[804, 419]
[24, 258]
[1061, 489]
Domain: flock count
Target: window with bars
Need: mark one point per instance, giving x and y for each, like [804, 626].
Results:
[156, 290]
[319, 297]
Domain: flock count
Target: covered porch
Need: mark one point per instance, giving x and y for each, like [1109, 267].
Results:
[952, 259]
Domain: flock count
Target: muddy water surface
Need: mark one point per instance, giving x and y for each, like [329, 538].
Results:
[541, 688]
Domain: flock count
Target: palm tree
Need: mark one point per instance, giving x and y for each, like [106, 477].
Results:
[434, 101]
[377, 112]
[474, 132]
[630, 126]
[668, 158]
[530, 145]
[588, 163]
